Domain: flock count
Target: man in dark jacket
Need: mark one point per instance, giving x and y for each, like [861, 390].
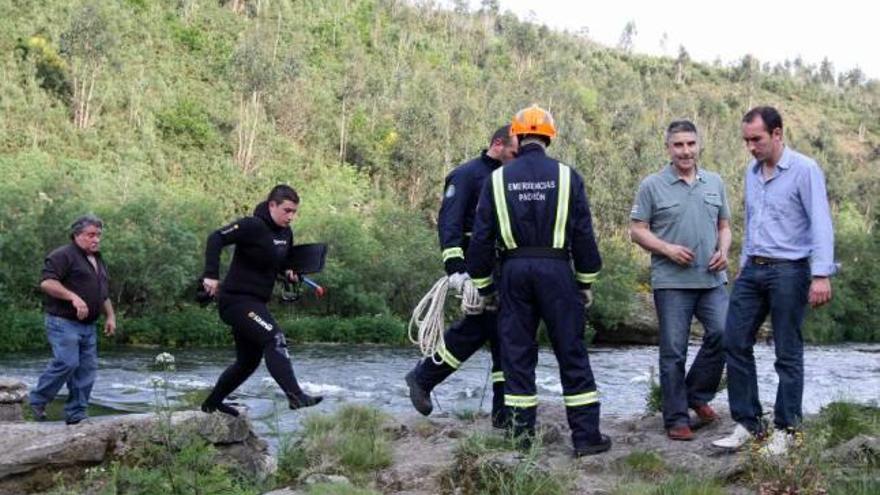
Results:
[537, 208]
[454, 226]
[76, 287]
[262, 251]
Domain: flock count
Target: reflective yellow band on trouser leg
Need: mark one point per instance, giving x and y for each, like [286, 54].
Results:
[454, 252]
[586, 278]
[520, 400]
[497, 376]
[482, 283]
[448, 358]
[584, 399]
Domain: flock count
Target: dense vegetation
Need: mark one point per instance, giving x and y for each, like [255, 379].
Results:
[169, 118]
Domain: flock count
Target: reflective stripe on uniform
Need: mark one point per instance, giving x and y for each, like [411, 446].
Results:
[562, 196]
[453, 252]
[583, 399]
[448, 358]
[520, 400]
[586, 278]
[482, 283]
[497, 376]
[501, 209]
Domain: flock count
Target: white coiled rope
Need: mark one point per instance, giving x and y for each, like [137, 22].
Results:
[427, 323]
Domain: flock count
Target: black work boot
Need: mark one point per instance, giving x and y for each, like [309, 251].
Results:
[603, 445]
[303, 399]
[420, 398]
[500, 412]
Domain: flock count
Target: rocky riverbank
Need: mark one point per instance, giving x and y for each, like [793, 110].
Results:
[447, 454]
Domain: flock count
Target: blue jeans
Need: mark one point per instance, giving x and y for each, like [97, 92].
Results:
[75, 363]
[780, 290]
[676, 308]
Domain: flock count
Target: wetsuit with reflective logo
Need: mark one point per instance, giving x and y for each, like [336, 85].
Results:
[262, 251]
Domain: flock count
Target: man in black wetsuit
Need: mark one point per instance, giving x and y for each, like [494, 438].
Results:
[262, 251]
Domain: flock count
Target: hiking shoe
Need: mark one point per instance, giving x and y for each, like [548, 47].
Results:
[736, 440]
[604, 445]
[420, 398]
[778, 443]
[681, 432]
[304, 400]
[706, 414]
[39, 412]
[222, 407]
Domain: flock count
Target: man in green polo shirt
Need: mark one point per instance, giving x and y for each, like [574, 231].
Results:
[682, 218]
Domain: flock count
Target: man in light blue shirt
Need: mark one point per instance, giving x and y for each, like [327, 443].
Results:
[787, 259]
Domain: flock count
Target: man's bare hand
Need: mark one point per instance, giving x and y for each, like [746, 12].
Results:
[820, 291]
[82, 309]
[110, 326]
[718, 262]
[679, 254]
[211, 285]
[291, 276]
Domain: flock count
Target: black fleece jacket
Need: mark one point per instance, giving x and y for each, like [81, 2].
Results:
[262, 250]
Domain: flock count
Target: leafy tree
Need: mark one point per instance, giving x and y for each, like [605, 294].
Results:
[87, 45]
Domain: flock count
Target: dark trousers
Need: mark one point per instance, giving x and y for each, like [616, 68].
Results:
[782, 291]
[676, 308]
[257, 336]
[534, 289]
[463, 338]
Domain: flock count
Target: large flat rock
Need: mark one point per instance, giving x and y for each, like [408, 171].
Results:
[30, 450]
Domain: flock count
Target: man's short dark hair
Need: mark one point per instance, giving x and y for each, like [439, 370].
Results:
[770, 116]
[502, 134]
[282, 193]
[677, 126]
[84, 221]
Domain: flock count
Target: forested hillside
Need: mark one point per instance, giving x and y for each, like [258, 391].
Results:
[169, 118]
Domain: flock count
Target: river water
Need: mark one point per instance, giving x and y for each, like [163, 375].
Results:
[128, 379]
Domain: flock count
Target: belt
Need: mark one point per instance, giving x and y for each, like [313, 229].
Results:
[763, 260]
[536, 252]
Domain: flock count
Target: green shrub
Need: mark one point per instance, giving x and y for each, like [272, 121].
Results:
[187, 124]
[617, 283]
[476, 469]
[842, 421]
[677, 485]
[350, 442]
[645, 464]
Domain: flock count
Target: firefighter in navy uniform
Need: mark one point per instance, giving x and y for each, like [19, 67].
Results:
[463, 338]
[536, 208]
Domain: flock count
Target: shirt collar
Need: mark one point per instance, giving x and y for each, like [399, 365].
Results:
[672, 176]
[784, 161]
[82, 251]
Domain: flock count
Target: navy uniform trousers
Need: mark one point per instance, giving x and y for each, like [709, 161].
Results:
[534, 289]
[463, 338]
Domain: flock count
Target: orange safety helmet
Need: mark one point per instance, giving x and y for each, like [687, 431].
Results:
[533, 120]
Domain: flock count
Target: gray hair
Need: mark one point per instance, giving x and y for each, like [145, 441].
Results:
[84, 221]
[677, 126]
